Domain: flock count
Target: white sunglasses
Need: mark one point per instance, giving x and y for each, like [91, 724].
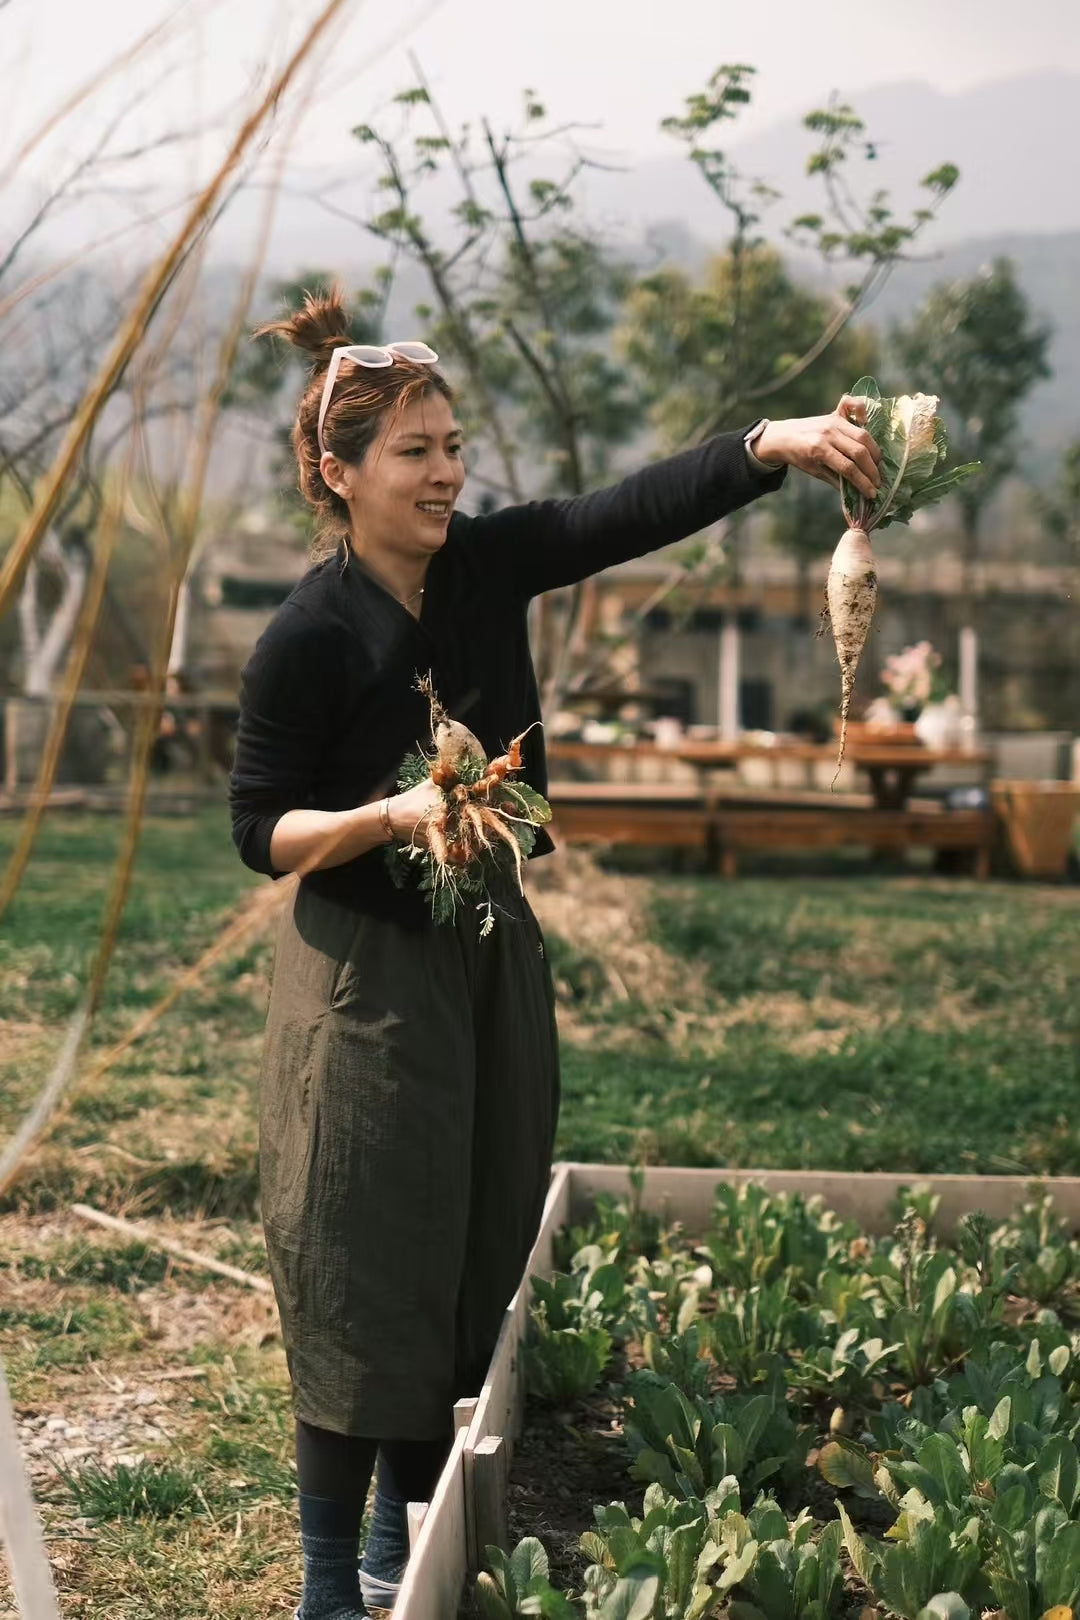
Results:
[374, 356]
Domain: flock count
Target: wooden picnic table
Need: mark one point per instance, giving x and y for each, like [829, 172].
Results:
[892, 768]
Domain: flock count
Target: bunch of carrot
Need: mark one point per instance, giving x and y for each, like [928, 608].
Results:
[484, 825]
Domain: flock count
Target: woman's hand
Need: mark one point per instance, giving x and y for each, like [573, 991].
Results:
[826, 447]
[409, 812]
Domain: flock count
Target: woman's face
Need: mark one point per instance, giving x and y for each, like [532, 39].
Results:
[401, 495]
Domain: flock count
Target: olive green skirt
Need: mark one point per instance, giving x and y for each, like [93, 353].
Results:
[408, 1102]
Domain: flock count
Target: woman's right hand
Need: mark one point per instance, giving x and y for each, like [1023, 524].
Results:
[409, 811]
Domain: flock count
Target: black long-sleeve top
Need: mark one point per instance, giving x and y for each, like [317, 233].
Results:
[329, 706]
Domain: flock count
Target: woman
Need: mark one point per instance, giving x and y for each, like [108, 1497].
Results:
[410, 1078]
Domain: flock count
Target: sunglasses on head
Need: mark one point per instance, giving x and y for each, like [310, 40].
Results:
[374, 356]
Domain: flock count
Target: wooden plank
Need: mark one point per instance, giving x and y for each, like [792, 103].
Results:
[495, 1406]
[687, 1194]
[635, 793]
[490, 1480]
[464, 1411]
[435, 1576]
[952, 829]
[415, 1514]
[20, 1532]
[613, 823]
[500, 1405]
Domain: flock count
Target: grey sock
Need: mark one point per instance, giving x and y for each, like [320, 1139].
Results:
[330, 1546]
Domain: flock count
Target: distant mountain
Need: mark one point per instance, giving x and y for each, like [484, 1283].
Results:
[1013, 142]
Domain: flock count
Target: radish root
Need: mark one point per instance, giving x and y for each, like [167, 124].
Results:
[852, 594]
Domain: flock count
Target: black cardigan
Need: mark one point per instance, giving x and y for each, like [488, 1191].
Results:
[328, 705]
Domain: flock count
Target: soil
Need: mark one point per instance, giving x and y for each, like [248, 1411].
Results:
[564, 1464]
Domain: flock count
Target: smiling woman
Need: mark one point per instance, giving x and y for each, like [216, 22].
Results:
[410, 1075]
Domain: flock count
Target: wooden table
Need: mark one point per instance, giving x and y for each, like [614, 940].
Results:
[892, 768]
[709, 815]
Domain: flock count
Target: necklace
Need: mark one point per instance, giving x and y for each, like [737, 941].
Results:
[405, 600]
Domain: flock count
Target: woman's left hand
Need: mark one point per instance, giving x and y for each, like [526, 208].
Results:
[827, 447]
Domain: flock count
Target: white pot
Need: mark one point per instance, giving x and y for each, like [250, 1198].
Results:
[939, 724]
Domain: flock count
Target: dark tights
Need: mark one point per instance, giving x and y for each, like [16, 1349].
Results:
[338, 1467]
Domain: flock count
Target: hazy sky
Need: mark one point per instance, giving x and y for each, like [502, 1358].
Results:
[624, 63]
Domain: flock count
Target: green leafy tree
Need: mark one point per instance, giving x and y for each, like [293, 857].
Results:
[523, 296]
[756, 354]
[976, 345]
[1061, 508]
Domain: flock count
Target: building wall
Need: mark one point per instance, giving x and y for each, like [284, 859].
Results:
[1029, 663]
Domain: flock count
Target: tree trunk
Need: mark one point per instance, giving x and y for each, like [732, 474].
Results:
[969, 644]
[45, 646]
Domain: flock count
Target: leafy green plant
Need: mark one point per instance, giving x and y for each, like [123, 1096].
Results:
[681, 1358]
[678, 1543]
[1033, 1386]
[750, 1328]
[849, 1372]
[563, 1365]
[793, 1577]
[758, 1237]
[519, 1584]
[1044, 1258]
[939, 1554]
[920, 1304]
[621, 1227]
[689, 1445]
[1033, 1565]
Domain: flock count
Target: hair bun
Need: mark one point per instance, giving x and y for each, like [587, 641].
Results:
[320, 325]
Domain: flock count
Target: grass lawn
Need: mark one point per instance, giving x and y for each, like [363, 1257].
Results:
[845, 1021]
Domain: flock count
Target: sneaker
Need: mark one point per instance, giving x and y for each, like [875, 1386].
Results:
[378, 1594]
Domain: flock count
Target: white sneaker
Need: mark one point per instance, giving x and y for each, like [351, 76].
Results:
[378, 1594]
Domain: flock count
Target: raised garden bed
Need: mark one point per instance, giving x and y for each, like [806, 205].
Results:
[818, 1404]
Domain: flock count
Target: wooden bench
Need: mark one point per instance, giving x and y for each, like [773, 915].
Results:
[838, 826]
[637, 813]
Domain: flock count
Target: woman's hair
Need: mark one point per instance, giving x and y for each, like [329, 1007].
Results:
[362, 400]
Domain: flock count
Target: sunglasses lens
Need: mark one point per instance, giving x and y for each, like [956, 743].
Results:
[417, 352]
[369, 355]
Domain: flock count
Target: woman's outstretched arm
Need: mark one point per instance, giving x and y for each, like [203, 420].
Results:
[546, 544]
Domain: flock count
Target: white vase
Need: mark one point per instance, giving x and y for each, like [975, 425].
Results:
[938, 726]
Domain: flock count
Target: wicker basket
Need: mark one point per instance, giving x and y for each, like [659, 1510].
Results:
[1039, 820]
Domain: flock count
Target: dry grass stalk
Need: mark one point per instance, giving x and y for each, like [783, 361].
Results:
[83, 92]
[136, 1231]
[267, 903]
[178, 548]
[199, 219]
[149, 717]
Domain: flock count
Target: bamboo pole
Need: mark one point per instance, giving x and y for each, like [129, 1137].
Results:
[137, 1232]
